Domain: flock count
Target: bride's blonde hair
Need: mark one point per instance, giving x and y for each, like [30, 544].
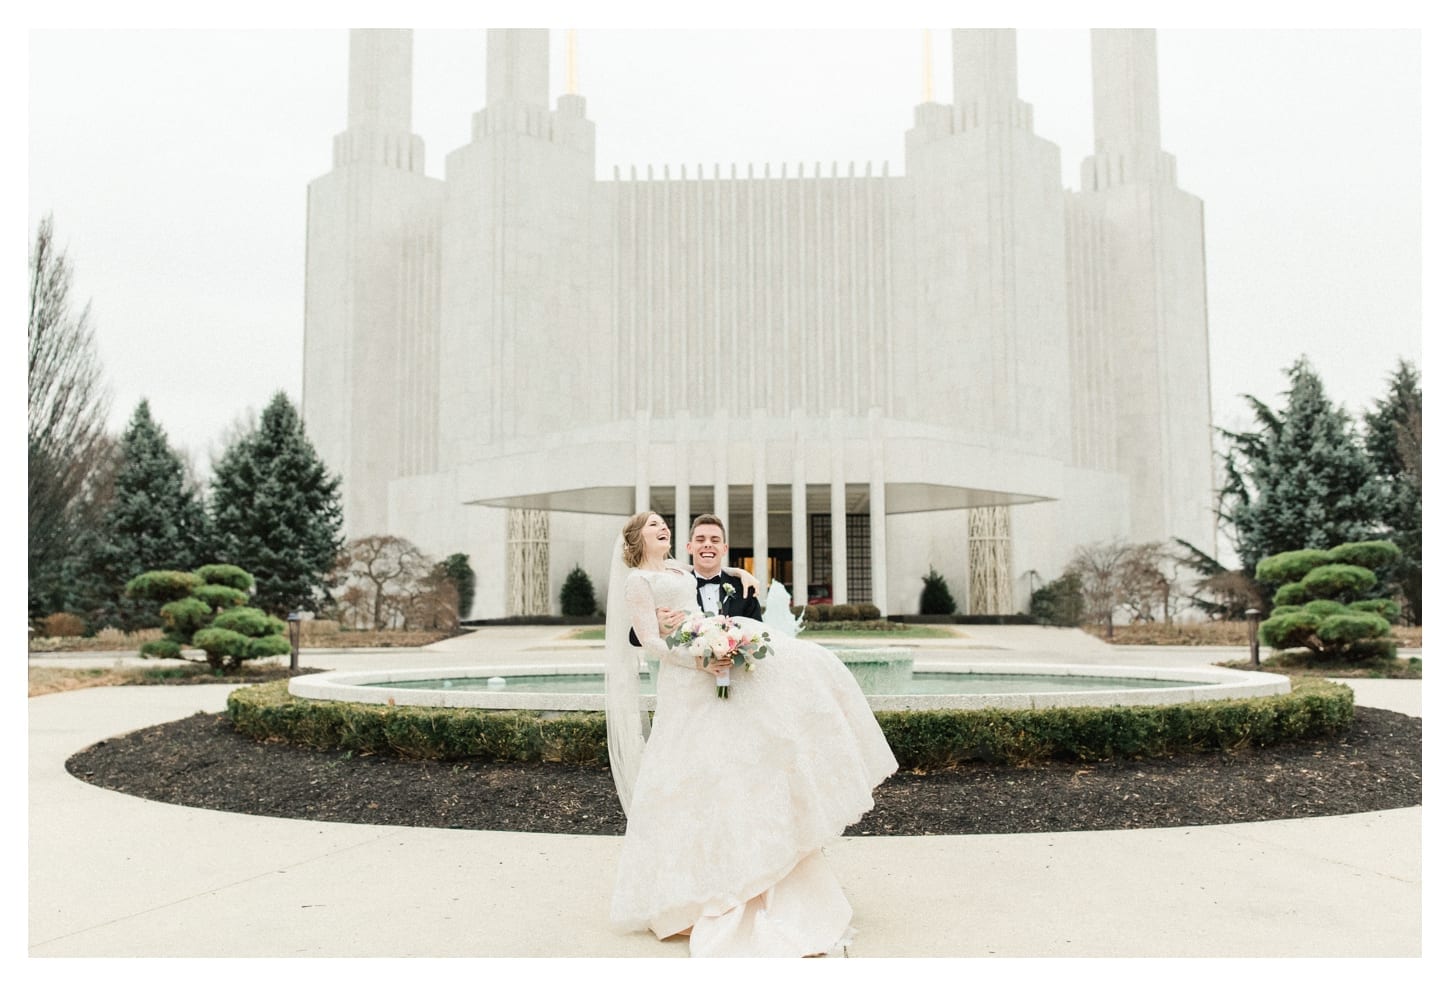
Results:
[634, 540]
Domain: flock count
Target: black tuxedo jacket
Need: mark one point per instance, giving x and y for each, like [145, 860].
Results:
[731, 604]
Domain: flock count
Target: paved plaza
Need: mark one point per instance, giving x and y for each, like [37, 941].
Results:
[112, 875]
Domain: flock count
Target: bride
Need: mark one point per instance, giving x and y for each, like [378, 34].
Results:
[729, 802]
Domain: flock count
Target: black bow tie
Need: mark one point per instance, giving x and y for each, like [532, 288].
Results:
[701, 580]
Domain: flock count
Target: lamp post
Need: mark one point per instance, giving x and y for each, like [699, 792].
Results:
[294, 631]
[1253, 616]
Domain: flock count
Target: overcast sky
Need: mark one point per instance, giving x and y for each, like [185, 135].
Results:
[176, 163]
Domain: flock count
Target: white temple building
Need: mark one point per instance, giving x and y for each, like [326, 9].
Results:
[964, 367]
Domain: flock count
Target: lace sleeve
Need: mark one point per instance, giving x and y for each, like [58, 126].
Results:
[639, 602]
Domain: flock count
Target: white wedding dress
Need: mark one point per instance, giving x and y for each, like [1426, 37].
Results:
[734, 798]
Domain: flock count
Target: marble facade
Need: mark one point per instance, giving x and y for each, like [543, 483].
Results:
[963, 367]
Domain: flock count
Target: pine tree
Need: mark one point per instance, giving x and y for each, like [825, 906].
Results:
[460, 573]
[276, 511]
[936, 598]
[576, 595]
[1393, 432]
[1302, 480]
[153, 520]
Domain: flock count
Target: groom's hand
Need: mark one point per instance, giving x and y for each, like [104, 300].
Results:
[669, 619]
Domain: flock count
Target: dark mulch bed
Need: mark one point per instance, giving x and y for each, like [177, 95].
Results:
[201, 761]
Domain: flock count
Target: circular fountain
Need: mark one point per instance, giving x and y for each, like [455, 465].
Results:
[889, 676]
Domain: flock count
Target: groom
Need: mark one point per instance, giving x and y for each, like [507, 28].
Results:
[715, 591]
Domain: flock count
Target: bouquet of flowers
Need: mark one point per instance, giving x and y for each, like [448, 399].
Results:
[709, 637]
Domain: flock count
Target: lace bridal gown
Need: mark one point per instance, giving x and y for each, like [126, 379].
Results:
[734, 798]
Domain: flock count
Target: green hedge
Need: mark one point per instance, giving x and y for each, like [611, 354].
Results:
[921, 740]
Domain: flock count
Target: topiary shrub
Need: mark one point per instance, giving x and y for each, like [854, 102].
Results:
[162, 586]
[203, 609]
[812, 614]
[220, 596]
[1365, 554]
[227, 575]
[841, 612]
[1291, 566]
[576, 595]
[1342, 582]
[936, 598]
[1321, 611]
[866, 611]
[1386, 608]
[163, 648]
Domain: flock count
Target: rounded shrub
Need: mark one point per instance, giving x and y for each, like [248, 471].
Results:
[1365, 554]
[220, 596]
[164, 648]
[269, 646]
[184, 617]
[1290, 594]
[1343, 629]
[162, 586]
[1321, 608]
[841, 612]
[1386, 608]
[221, 644]
[1334, 581]
[228, 575]
[866, 611]
[248, 622]
[1290, 566]
[812, 614]
[1286, 631]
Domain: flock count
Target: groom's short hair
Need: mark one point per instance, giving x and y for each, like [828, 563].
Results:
[709, 519]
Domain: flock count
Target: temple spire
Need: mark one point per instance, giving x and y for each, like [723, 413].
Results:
[380, 80]
[571, 85]
[926, 91]
[1127, 144]
[518, 66]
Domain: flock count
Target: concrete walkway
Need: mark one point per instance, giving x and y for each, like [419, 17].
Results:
[117, 876]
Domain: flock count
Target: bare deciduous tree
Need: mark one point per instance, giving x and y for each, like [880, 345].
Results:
[392, 583]
[1098, 567]
[67, 409]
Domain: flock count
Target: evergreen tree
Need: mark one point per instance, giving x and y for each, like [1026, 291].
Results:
[460, 573]
[1302, 479]
[276, 511]
[936, 598]
[576, 595]
[1393, 431]
[153, 520]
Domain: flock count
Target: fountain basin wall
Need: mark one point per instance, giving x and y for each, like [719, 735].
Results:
[1180, 685]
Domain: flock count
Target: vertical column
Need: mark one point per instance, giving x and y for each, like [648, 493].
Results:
[722, 468]
[641, 461]
[877, 453]
[838, 510]
[800, 544]
[682, 483]
[760, 521]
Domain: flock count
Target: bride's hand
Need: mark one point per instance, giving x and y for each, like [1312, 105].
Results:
[719, 665]
[669, 619]
[746, 579]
